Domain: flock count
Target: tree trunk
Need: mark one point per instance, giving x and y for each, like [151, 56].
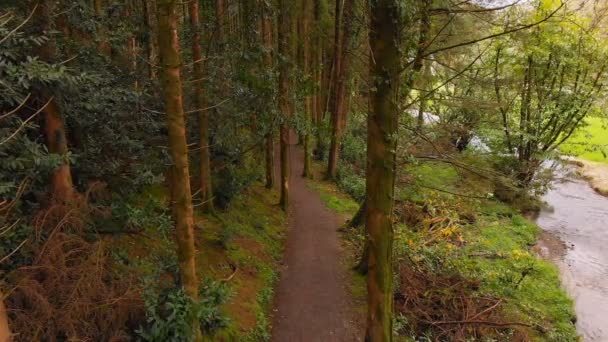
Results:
[308, 100]
[423, 41]
[285, 36]
[200, 104]
[382, 125]
[5, 331]
[102, 43]
[320, 85]
[332, 163]
[169, 49]
[340, 108]
[268, 45]
[62, 187]
[220, 21]
[152, 49]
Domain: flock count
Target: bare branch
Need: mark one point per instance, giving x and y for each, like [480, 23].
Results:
[20, 25]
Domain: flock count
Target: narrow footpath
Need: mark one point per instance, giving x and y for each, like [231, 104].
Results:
[312, 301]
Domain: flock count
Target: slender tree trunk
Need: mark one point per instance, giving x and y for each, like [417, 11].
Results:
[308, 100]
[382, 123]
[152, 49]
[62, 187]
[332, 163]
[220, 21]
[200, 103]
[168, 33]
[102, 43]
[131, 44]
[340, 109]
[5, 331]
[423, 39]
[268, 45]
[320, 86]
[285, 52]
[424, 83]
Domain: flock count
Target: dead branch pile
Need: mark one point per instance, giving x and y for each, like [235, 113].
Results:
[71, 291]
[449, 308]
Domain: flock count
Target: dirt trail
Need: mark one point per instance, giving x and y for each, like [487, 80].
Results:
[312, 301]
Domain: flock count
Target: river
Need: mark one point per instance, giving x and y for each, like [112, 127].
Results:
[578, 216]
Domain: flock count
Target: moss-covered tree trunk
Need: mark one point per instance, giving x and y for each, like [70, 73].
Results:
[151, 49]
[200, 103]
[332, 161]
[320, 71]
[172, 92]
[285, 35]
[54, 128]
[267, 29]
[306, 67]
[384, 39]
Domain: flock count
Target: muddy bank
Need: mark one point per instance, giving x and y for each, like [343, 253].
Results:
[594, 172]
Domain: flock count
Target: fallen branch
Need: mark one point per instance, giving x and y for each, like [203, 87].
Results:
[495, 324]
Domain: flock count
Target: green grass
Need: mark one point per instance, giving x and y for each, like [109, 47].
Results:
[333, 199]
[590, 143]
[530, 285]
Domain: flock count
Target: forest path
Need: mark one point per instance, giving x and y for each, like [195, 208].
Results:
[312, 301]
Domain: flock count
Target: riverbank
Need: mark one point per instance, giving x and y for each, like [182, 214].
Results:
[465, 258]
[596, 173]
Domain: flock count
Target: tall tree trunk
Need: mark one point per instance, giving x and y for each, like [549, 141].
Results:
[131, 44]
[308, 100]
[200, 103]
[382, 125]
[320, 86]
[220, 21]
[152, 49]
[285, 35]
[62, 187]
[102, 43]
[5, 331]
[332, 163]
[268, 60]
[423, 41]
[169, 49]
[340, 108]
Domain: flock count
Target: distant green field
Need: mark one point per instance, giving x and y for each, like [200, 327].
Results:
[590, 143]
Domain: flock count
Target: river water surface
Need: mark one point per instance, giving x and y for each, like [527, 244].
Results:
[578, 216]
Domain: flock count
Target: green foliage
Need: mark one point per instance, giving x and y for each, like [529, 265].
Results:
[151, 215]
[234, 178]
[171, 314]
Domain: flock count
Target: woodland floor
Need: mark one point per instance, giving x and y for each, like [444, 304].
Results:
[312, 301]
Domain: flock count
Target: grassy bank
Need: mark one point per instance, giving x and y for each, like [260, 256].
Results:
[239, 250]
[465, 268]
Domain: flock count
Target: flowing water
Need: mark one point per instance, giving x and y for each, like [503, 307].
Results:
[578, 216]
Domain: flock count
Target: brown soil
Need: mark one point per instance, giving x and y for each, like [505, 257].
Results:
[312, 301]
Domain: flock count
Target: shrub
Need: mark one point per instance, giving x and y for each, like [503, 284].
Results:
[171, 314]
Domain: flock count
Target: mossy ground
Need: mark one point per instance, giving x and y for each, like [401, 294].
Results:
[248, 236]
[494, 248]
